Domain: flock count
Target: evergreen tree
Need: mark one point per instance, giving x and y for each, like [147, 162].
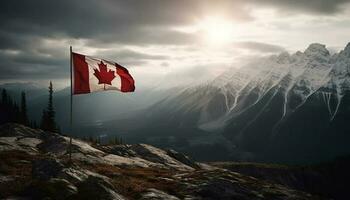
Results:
[23, 113]
[44, 121]
[3, 107]
[48, 118]
[4, 97]
[91, 139]
[33, 124]
[15, 113]
[9, 110]
[116, 140]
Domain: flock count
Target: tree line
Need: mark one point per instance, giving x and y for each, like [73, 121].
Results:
[96, 140]
[12, 111]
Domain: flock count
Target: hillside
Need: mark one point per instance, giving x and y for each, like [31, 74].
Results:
[34, 164]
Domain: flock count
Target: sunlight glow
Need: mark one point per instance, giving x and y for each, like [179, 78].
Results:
[216, 30]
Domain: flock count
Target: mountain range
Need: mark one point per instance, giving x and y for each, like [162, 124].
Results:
[287, 108]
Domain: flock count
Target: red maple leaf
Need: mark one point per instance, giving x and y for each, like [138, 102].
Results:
[104, 76]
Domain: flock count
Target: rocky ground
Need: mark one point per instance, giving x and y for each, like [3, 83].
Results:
[34, 164]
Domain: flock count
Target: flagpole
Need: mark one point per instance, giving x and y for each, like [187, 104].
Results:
[71, 105]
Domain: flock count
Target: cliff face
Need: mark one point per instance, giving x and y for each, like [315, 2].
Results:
[34, 165]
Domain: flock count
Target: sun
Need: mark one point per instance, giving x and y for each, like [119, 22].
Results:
[216, 30]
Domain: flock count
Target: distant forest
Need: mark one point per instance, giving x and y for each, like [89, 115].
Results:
[12, 111]
[16, 112]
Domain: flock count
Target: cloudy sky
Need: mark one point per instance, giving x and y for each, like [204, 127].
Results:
[162, 42]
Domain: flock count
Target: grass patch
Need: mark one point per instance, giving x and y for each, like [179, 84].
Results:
[17, 166]
[131, 182]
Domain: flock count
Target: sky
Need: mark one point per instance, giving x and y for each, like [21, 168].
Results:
[163, 43]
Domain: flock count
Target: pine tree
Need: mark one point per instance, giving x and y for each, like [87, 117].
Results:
[10, 111]
[48, 118]
[44, 120]
[23, 112]
[4, 97]
[91, 139]
[33, 124]
[116, 140]
[7, 108]
[15, 113]
[50, 110]
[3, 107]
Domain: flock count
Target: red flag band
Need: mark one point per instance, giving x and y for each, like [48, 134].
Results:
[94, 74]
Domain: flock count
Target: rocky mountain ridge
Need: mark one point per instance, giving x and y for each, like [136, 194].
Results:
[34, 165]
[295, 76]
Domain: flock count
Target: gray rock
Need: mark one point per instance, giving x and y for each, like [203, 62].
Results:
[120, 150]
[18, 130]
[45, 169]
[55, 188]
[61, 188]
[154, 194]
[97, 187]
[19, 143]
[53, 180]
[182, 158]
[53, 143]
[74, 175]
[5, 179]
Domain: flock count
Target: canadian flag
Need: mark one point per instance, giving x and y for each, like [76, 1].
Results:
[94, 74]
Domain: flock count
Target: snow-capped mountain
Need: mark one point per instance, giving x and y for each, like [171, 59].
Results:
[296, 77]
[271, 109]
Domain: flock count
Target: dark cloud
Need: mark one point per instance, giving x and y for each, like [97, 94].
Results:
[142, 37]
[258, 46]
[130, 22]
[306, 6]
[51, 63]
[103, 24]
[16, 65]
[120, 21]
[113, 24]
[130, 54]
[130, 58]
